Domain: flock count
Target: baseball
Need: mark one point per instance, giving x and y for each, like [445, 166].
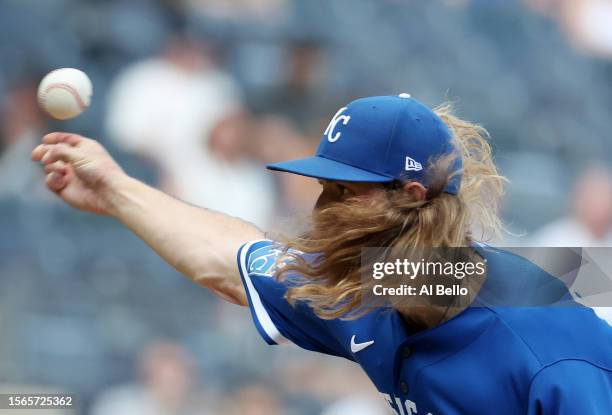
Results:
[65, 93]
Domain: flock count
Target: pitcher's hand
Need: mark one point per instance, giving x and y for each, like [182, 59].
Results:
[79, 170]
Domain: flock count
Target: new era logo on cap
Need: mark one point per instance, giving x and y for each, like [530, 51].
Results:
[413, 165]
[369, 139]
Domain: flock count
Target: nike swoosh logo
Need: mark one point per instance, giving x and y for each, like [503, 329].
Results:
[357, 347]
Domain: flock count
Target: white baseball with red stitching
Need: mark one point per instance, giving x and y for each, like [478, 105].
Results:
[65, 93]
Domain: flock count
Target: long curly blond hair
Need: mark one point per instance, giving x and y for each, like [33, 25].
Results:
[332, 284]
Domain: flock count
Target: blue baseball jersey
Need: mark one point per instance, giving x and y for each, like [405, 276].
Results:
[488, 359]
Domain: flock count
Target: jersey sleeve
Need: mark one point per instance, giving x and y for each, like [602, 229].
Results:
[277, 321]
[571, 387]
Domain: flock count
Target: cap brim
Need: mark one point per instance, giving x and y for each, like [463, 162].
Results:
[326, 169]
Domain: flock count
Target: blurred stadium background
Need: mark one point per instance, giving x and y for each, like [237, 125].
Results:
[194, 96]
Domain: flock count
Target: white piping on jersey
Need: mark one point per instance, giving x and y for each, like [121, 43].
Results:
[260, 312]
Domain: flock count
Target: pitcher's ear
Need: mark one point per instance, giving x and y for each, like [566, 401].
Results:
[416, 189]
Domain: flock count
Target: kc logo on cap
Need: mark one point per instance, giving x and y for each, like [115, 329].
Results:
[329, 131]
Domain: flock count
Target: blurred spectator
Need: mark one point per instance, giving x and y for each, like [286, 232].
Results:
[585, 22]
[166, 386]
[348, 391]
[589, 25]
[331, 386]
[590, 220]
[300, 94]
[356, 405]
[262, 10]
[274, 138]
[180, 111]
[21, 127]
[254, 399]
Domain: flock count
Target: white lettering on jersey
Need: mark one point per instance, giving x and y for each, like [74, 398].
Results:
[390, 402]
[410, 407]
[400, 406]
[406, 408]
[329, 131]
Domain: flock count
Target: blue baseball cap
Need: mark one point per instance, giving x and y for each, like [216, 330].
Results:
[380, 140]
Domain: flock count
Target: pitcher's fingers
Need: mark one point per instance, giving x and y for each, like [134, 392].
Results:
[60, 152]
[66, 138]
[58, 167]
[39, 151]
[55, 182]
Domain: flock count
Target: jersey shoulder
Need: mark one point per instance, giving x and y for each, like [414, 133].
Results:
[513, 280]
[554, 334]
[538, 308]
